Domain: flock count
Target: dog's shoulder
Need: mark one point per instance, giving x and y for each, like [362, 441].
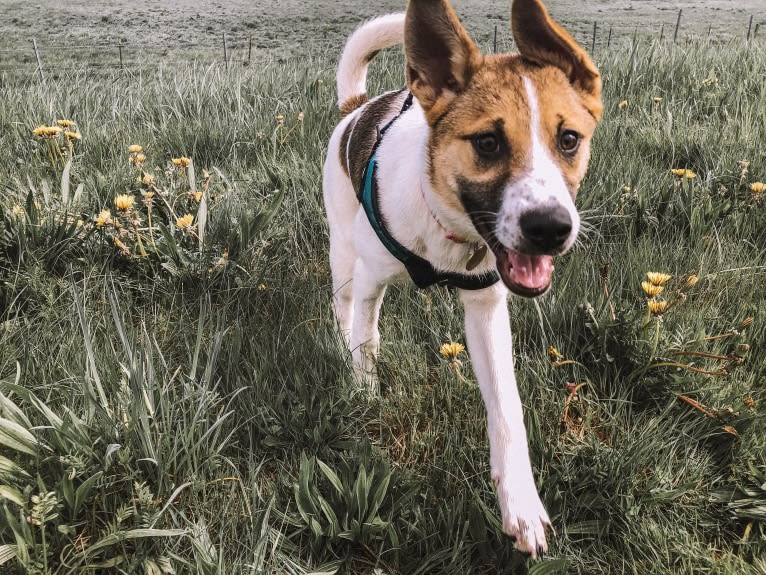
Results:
[361, 132]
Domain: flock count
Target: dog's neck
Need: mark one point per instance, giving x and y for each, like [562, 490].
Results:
[450, 235]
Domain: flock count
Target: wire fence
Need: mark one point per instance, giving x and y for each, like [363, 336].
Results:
[38, 58]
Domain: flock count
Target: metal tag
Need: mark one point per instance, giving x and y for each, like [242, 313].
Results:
[476, 256]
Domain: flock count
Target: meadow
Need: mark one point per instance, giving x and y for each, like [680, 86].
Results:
[175, 397]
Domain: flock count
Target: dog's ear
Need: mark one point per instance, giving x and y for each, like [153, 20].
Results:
[441, 57]
[543, 41]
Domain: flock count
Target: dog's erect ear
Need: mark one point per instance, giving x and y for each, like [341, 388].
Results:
[541, 40]
[441, 57]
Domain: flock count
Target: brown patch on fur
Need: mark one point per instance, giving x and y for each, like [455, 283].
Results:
[544, 42]
[344, 145]
[352, 103]
[375, 114]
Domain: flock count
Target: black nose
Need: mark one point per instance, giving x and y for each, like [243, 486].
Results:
[546, 228]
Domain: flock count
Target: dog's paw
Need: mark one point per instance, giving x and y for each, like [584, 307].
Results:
[524, 517]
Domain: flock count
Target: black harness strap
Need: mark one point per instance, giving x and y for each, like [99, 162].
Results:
[421, 271]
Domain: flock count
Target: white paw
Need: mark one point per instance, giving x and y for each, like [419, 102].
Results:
[524, 517]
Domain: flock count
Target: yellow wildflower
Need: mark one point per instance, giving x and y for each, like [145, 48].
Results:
[683, 173]
[17, 211]
[39, 131]
[65, 123]
[554, 353]
[261, 287]
[651, 290]
[183, 161]
[690, 282]
[72, 135]
[184, 221]
[280, 119]
[758, 187]
[124, 202]
[197, 196]
[104, 217]
[135, 149]
[626, 189]
[657, 307]
[451, 350]
[148, 179]
[80, 223]
[710, 81]
[657, 99]
[140, 159]
[657, 278]
[623, 104]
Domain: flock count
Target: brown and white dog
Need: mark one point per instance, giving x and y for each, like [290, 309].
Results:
[490, 154]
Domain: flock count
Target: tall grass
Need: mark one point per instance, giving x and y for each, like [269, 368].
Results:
[182, 418]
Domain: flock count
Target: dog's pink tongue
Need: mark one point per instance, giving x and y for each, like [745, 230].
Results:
[530, 272]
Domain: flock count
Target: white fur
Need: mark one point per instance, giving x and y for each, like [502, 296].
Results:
[362, 268]
[542, 186]
[370, 37]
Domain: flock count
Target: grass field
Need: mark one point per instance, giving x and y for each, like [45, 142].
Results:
[175, 397]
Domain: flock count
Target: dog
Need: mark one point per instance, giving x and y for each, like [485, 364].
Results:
[467, 177]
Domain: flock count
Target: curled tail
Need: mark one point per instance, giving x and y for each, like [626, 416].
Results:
[361, 47]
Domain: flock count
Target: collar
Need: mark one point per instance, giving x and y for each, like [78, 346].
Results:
[447, 234]
[420, 270]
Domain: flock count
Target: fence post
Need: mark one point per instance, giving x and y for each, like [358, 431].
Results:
[225, 52]
[609, 38]
[494, 41]
[39, 64]
[678, 25]
[749, 27]
[119, 47]
[249, 48]
[662, 31]
[593, 46]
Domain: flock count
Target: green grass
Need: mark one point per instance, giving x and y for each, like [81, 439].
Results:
[178, 412]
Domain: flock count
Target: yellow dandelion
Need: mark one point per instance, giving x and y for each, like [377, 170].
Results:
[657, 278]
[758, 187]
[72, 135]
[140, 159]
[683, 173]
[65, 123]
[261, 287]
[651, 290]
[657, 307]
[40, 131]
[184, 222]
[690, 282]
[104, 217]
[623, 104]
[135, 149]
[554, 353]
[183, 161]
[451, 350]
[124, 202]
[197, 196]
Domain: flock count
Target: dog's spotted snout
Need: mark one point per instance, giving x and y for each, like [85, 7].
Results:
[547, 228]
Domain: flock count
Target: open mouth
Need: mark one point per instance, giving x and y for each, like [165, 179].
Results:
[523, 274]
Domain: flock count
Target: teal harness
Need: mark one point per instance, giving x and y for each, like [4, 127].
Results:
[421, 271]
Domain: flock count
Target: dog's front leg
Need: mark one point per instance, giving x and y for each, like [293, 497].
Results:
[488, 335]
[369, 290]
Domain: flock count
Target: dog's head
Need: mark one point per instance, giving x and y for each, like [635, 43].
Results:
[509, 135]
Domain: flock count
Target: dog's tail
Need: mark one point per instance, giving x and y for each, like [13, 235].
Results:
[361, 47]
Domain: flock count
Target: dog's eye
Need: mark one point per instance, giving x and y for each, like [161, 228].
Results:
[569, 141]
[486, 144]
